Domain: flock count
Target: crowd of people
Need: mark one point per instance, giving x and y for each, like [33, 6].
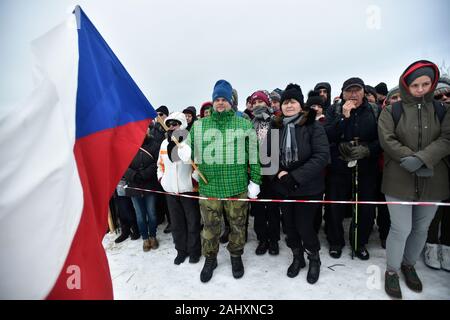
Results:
[367, 144]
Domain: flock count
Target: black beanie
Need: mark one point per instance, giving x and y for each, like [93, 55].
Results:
[382, 89]
[425, 71]
[293, 91]
[163, 109]
[314, 98]
[372, 91]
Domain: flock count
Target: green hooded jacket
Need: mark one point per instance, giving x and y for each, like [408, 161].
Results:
[418, 133]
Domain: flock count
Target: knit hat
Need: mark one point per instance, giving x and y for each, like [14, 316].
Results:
[381, 88]
[293, 91]
[443, 86]
[353, 82]
[179, 116]
[391, 92]
[205, 106]
[275, 96]
[371, 90]
[191, 110]
[424, 71]
[163, 109]
[261, 95]
[314, 98]
[223, 89]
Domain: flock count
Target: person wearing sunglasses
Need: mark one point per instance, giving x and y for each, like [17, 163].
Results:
[177, 177]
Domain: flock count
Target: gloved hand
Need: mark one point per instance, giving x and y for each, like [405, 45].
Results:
[424, 172]
[253, 190]
[359, 152]
[288, 183]
[196, 176]
[184, 152]
[411, 163]
[345, 149]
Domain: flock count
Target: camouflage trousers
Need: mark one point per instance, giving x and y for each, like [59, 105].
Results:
[212, 216]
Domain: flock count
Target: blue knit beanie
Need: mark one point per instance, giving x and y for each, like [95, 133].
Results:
[223, 89]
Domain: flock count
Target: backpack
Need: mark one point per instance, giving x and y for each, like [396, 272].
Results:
[397, 110]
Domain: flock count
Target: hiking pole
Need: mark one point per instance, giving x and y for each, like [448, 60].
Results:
[174, 139]
[354, 165]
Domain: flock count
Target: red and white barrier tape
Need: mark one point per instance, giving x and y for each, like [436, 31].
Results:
[421, 203]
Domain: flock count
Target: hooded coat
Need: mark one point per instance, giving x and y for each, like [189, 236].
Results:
[418, 133]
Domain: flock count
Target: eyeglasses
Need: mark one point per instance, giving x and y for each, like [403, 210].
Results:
[441, 95]
[173, 123]
[160, 114]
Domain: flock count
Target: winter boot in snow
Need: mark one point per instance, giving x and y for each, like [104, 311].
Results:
[273, 248]
[335, 252]
[297, 263]
[208, 269]
[146, 246]
[237, 267]
[445, 258]
[123, 236]
[392, 285]
[412, 279]
[262, 248]
[431, 255]
[314, 267]
[153, 242]
[181, 256]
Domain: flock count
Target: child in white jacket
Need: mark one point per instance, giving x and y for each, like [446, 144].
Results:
[177, 177]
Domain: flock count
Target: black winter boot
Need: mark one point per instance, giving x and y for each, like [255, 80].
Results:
[208, 269]
[297, 264]
[237, 267]
[262, 248]
[273, 248]
[123, 236]
[181, 256]
[314, 267]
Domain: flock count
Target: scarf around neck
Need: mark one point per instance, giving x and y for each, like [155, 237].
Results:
[288, 146]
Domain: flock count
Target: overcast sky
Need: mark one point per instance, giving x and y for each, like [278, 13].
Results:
[176, 50]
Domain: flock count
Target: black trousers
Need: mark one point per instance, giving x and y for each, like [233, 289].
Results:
[299, 224]
[162, 210]
[185, 222]
[383, 219]
[127, 215]
[442, 220]
[266, 220]
[342, 187]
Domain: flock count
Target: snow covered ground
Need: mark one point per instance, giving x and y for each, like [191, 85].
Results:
[153, 275]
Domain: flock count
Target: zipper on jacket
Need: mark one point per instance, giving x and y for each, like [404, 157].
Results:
[176, 175]
[419, 111]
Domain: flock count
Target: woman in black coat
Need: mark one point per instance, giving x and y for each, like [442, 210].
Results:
[142, 174]
[304, 154]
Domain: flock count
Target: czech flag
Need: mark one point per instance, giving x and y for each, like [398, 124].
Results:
[62, 152]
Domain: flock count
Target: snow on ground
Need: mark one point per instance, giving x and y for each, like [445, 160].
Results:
[153, 275]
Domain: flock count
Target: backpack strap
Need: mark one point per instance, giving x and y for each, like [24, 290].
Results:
[439, 109]
[397, 110]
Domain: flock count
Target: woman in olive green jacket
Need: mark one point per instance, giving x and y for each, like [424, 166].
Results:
[415, 169]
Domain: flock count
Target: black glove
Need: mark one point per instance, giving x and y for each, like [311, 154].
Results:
[359, 152]
[411, 163]
[345, 149]
[424, 172]
[285, 185]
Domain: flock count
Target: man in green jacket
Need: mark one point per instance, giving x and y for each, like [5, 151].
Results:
[225, 148]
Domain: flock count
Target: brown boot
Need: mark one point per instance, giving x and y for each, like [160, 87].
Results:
[153, 243]
[412, 279]
[147, 245]
[392, 285]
